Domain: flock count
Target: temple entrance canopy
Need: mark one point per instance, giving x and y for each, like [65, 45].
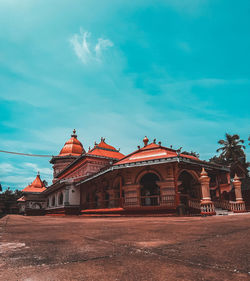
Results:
[150, 191]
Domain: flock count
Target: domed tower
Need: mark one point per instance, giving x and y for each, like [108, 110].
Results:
[71, 150]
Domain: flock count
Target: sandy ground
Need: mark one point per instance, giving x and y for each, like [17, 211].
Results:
[145, 248]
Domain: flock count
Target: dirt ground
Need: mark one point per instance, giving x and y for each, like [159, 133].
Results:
[125, 248]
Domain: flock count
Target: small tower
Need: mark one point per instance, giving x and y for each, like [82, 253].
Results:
[71, 150]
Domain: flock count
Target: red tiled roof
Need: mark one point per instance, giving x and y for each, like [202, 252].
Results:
[72, 147]
[21, 199]
[36, 186]
[106, 150]
[150, 152]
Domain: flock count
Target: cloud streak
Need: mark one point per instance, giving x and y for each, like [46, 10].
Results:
[86, 51]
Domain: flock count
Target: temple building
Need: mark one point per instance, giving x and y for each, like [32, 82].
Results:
[152, 179]
[33, 201]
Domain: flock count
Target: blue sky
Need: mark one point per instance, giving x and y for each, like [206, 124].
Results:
[173, 70]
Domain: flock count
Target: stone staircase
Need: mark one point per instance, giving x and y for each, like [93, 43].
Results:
[222, 212]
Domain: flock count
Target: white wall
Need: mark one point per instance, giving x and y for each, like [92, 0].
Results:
[74, 196]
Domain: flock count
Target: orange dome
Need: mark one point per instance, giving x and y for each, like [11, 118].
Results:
[36, 186]
[72, 147]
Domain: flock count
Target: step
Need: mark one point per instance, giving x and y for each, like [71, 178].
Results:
[221, 212]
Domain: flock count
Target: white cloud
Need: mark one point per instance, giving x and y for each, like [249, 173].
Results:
[102, 45]
[6, 168]
[35, 168]
[86, 51]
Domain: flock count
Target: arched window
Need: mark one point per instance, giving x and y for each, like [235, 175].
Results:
[60, 199]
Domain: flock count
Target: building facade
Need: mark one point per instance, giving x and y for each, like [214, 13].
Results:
[152, 179]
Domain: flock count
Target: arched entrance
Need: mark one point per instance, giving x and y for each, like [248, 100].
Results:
[37, 206]
[188, 188]
[150, 191]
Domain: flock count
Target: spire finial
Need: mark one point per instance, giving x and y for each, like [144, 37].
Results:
[236, 178]
[74, 133]
[203, 172]
[145, 140]
[38, 173]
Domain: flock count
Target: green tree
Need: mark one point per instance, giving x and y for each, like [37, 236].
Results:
[45, 183]
[232, 154]
[232, 148]
[192, 153]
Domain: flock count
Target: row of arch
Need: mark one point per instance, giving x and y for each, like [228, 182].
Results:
[150, 194]
[56, 200]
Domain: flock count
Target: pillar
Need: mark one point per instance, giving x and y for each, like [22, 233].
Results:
[205, 191]
[66, 200]
[167, 192]
[237, 186]
[112, 198]
[132, 195]
[239, 205]
[101, 198]
[207, 206]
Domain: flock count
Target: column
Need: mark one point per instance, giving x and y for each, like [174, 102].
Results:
[66, 197]
[132, 195]
[101, 198]
[111, 203]
[237, 186]
[207, 206]
[239, 205]
[167, 192]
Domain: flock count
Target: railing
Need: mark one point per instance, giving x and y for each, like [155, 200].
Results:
[207, 208]
[150, 200]
[154, 200]
[194, 204]
[168, 200]
[131, 201]
[237, 207]
[104, 204]
[223, 204]
[230, 205]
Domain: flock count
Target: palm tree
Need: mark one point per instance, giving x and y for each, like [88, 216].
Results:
[232, 148]
[232, 153]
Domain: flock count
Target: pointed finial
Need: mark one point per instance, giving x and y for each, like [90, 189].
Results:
[236, 178]
[171, 146]
[38, 173]
[95, 143]
[154, 141]
[145, 140]
[74, 134]
[138, 147]
[89, 148]
[159, 143]
[203, 172]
